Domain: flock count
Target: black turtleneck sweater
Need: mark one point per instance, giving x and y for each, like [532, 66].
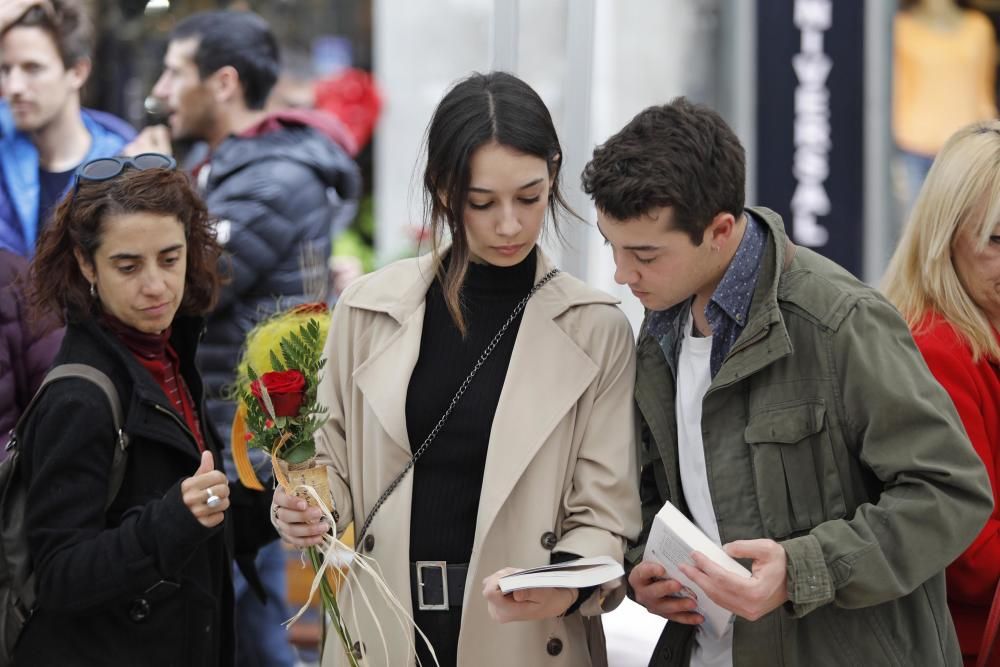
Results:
[448, 477]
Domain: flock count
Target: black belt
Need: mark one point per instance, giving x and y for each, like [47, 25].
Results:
[437, 585]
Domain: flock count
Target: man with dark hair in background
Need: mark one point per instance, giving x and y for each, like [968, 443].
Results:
[279, 184]
[785, 409]
[45, 50]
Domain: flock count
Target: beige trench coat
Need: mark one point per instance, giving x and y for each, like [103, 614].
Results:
[561, 457]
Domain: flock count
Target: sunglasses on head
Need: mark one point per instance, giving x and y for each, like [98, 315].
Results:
[106, 168]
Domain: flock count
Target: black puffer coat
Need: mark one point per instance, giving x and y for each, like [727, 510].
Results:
[143, 583]
[279, 195]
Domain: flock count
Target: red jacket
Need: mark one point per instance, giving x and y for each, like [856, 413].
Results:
[975, 390]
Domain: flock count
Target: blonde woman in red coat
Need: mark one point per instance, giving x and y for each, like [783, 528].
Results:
[945, 279]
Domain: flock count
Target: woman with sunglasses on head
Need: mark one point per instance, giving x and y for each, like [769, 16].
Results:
[533, 464]
[129, 262]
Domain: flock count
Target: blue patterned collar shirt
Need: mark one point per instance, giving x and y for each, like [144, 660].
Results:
[728, 308]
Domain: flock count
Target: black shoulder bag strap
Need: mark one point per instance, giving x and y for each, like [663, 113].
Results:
[451, 406]
[91, 374]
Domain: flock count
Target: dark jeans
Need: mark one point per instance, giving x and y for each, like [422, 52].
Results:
[261, 639]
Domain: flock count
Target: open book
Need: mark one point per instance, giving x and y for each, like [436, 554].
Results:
[672, 538]
[578, 573]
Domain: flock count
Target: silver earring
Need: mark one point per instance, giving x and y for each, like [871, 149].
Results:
[93, 291]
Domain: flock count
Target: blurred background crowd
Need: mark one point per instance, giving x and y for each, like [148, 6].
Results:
[840, 126]
[842, 107]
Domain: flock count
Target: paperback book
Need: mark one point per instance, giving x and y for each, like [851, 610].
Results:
[672, 539]
[579, 573]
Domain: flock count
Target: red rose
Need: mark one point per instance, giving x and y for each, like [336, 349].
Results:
[286, 390]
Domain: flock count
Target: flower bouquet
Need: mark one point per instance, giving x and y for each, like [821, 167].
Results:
[278, 413]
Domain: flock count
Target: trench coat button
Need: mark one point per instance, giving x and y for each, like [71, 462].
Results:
[369, 543]
[549, 540]
[358, 650]
[554, 647]
[139, 611]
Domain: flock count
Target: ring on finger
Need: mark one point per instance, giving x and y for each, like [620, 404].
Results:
[213, 500]
[274, 513]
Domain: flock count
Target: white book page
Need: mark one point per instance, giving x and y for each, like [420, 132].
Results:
[579, 573]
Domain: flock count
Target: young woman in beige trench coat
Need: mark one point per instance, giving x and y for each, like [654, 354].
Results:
[536, 463]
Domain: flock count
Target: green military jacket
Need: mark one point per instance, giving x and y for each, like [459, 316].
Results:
[825, 431]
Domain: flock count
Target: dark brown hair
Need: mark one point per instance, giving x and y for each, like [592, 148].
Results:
[238, 39]
[60, 289]
[68, 25]
[679, 155]
[481, 108]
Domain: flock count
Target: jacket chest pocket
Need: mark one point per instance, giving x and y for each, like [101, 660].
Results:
[798, 486]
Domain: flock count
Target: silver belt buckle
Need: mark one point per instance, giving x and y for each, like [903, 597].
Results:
[443, 567]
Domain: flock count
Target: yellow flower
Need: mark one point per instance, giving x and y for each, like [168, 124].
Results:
[266, 338]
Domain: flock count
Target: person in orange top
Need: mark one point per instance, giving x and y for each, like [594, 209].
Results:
[945, 280]
[944, 73]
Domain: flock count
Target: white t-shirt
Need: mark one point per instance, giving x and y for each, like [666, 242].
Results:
[694, 375]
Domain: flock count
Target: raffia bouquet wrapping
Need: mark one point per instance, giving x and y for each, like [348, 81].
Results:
[278, 413]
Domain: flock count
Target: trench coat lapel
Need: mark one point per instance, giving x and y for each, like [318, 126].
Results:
[385, 376]
[547, 374]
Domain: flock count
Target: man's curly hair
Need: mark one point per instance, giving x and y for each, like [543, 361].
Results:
[679, 155]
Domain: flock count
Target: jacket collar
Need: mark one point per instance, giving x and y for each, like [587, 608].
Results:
[140, 385]
[764, 320]
[326, 123]
[19, 167]
[765, 297]
[765, 338]
[381, 292]
[299, 143]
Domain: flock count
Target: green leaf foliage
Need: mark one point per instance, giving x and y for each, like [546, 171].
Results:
[300, 350]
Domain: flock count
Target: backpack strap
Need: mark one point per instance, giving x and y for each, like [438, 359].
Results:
[91, 374]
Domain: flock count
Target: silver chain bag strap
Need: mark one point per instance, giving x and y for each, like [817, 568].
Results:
[451, 406]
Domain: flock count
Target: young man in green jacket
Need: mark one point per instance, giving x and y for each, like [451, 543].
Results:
[785, 409]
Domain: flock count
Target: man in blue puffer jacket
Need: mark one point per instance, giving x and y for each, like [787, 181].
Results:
[44, 133]
[280, 185]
